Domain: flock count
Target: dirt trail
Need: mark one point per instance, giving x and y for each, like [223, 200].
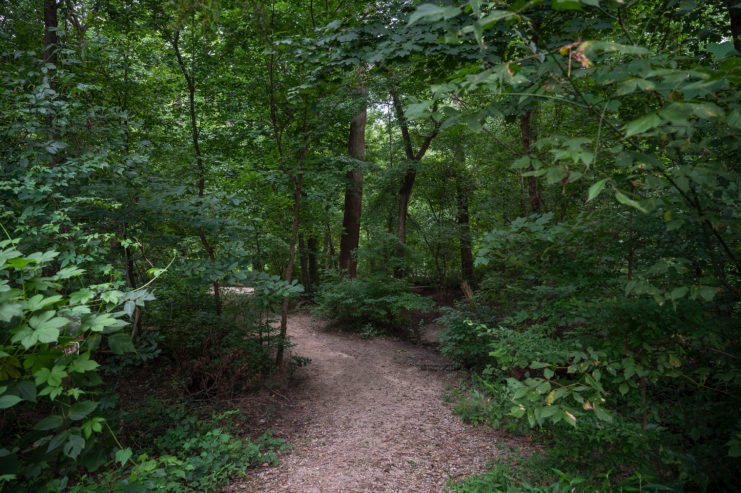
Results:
[367, 415]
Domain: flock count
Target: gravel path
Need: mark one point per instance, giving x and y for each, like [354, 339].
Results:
[367, 415]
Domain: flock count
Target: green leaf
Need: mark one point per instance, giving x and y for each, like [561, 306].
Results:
[68, 272]
[123, 456]
[82, 364]
[7, 401]
[27, 390]
[10, 310]
[82, 296]
[624, 199]
[566, 5]
[596, 188]
[431, 12]
[39, 301]
[121, 343]
[81, 409]
[707, 293]
[73, 447]
[642, 124]
[49, 423]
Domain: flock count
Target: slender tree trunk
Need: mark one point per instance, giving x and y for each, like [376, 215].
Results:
[304, 260]
[734, 12]
[529, 137]
[462, 218]
[194, 133]
[289, 268]
[313, 267]
[350, 239]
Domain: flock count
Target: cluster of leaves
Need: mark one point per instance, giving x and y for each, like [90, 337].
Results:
[47, 372]
[180, 451]
[376, 301]
[600, 370]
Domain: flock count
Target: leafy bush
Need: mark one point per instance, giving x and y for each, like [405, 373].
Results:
[180, 451]
[591, 359]
[378, 301]
[50, 325]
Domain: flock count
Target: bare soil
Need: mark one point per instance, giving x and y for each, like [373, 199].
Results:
[368, 415]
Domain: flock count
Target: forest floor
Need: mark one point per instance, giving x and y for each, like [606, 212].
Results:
[369, 415]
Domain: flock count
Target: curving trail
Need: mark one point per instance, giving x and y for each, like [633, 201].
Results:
[366, 415]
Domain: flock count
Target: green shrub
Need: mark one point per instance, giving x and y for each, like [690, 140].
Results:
[51, 324]
[180, 451]
[634, 375]
[379, 301]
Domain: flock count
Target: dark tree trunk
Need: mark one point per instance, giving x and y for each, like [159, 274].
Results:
[734, 11]
[462, 218]
[194, 133]
[350, 239]
[51, 23]
[313, 267]
[304, 259]
[529, 137]
[407, 183]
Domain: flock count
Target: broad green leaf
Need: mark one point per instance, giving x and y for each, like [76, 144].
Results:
[81, 409]
[10, 310]
[82, 296]
[7, 401]
[624, 199]
[49, 423]
[68, 272]
[596, 188]
[121, 343]
[431, 12]
[38, 302]
[642, 124]
[73, 447]
[123, 456]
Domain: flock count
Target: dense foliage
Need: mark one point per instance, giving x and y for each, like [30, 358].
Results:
[173, 176]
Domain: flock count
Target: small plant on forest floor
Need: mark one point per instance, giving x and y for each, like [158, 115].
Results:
[181, 451]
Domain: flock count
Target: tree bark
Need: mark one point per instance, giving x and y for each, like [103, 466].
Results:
[350, 239]
[529, 137]
[734, 13]
[304, 259]
[51, 23]
[194, 133]
[462, 218]
[312, 243]
[407, 182]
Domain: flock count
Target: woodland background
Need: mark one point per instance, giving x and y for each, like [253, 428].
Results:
[575, 162]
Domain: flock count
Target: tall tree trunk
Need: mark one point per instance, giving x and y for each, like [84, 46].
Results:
[734, 11]
[350, 239]
[51, 23]
[462, 218]
[194, 133]
[407, 182]
[529, 137]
